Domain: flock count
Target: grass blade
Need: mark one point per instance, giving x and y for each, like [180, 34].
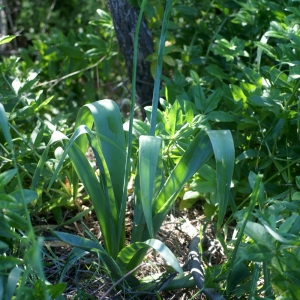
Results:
[166, 253]
[5, 127]
[12, 282]
[157, 82]
[56, 136]
[130, 256]
[223, 147]
[253, 200]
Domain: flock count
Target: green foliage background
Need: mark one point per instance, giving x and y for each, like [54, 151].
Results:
[228, 66]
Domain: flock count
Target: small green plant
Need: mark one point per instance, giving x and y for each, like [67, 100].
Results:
[21, 271]
[99, 126]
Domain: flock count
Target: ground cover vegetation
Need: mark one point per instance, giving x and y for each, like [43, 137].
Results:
[226, 140]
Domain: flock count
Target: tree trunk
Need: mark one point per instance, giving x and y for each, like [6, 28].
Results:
[125, 19]
[3, 25]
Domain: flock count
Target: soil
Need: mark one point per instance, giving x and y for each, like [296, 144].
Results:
[88, 279]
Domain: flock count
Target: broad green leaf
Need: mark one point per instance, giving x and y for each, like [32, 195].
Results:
[129, 256]
[71, 51]
[150, 172]
[28, 195]
[220, 116]
[272, 231]
[238, 93]
[110, 151]
[190, 198]
[15, 220]
[139, 128]
[216, 71]
[16, 85]
[38, 134]
[55, 137]
[253, 76]
[5, 127]
[287, 115]
[56, 290]
[6, 177]
[9, 202]
[212, 101]
[261, 101]
[174, 118]
[207, 173]
[139, 223]
[259, 234]
[203, 187]
[93, 53]
[6, 39]
[240, 272]
[30, 81]
[6, 230]
[97, 41]
[198, 96]
[77, 241]
[296, 196]
[295, 40]
[104, 17]
[288, 223]
[209, 210]
[250, 89]
[223, 147]
[106, 118]
[3, 246]
[8, 262]
[188, 111]
[105, 115]
[255, 252]
[276, 34]
[269, 50]
[38, 106]
[12, 282]
[186, 11]
[278, 77]
[165, 252]
[194, 76]
[169, 60]
[249, 154]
